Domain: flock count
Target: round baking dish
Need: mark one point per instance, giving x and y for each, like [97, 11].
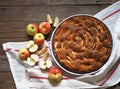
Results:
[109, 60]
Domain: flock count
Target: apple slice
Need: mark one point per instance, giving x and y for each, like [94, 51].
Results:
[45, 55]
[29, 44]
[49, 19]
[45, 64]
[35, 57]
[56, 22]
[30, 61]
[42, 51]
[33, 48]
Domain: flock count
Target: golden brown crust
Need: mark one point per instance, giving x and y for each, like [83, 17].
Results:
[82, 44]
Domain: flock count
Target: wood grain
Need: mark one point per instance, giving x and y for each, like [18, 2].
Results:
[55, 2]
[16, 14]
[6, 81]
[38, 13]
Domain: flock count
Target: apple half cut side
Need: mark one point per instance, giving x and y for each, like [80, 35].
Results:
[45, 64]
[49, 64]
[29, 44]
[33, 48]
[30, 61]
[35, 57]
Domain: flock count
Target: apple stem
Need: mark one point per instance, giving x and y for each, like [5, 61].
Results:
[32, 27]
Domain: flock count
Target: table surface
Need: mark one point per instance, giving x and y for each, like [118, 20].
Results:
[16, 14]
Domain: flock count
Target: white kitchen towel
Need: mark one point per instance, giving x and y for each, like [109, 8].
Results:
[33, 78]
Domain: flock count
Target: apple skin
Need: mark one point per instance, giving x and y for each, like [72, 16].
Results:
[44, 27]
[23, 53]
[55, 75]
[39, 39]
[32, 29]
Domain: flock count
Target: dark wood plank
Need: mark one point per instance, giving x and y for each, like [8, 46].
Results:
[54, 2]
[38, 13]
[4, 65]
[6, 81]
[15, 32]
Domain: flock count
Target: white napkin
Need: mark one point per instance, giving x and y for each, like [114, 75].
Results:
[34, 78]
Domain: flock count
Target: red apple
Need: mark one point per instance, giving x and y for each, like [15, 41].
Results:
[23, 53]
[55, 75]
[32, 29]
[39, 39]
[45, 27]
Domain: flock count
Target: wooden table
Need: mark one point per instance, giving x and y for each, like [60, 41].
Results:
[16, 14]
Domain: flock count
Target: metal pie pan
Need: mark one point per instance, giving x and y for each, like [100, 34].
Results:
[71, 72]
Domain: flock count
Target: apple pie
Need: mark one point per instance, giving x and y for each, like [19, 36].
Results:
[82, 44]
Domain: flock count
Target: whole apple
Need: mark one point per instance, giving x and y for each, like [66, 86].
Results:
[55, 75]
[32, 29]
[39, 39]
[23, 53]
[45, 27]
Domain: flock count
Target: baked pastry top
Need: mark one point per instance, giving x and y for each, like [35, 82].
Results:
[82, 44]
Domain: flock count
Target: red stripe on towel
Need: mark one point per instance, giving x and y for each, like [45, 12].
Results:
[11, 49]
[111, 14]
[36, 77]
[16, 50]
[8, 49]
[46, 78]
[109, 76]
[112, 72]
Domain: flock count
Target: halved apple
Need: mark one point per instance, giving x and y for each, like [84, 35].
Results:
[29, 44]
[35, 57]
[30, 61]
[42, 64]
[45, 64]
[33, 48]
[49, 64]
